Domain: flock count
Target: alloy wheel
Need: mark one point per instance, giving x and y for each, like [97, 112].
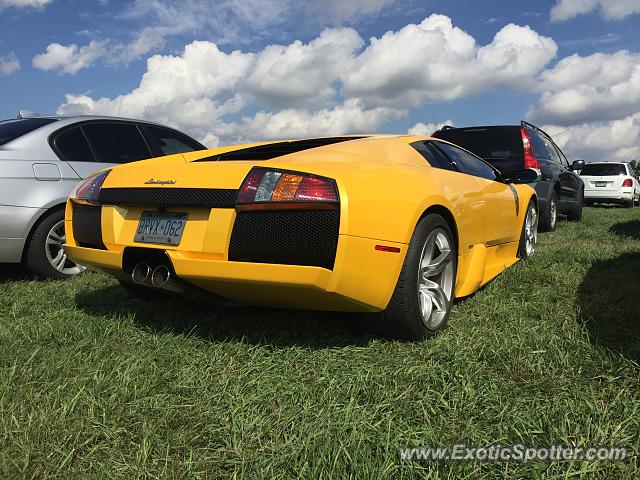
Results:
[55, 251]
[435, 278]
[531, 231]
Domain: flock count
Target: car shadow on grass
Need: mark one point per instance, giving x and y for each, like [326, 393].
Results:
[609, 299]
[263, 326]
[630, 229]
[10, 272]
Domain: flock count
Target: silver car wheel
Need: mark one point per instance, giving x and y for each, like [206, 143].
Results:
[435, 279]
[553, 212]
[55, 251]
[531, 231]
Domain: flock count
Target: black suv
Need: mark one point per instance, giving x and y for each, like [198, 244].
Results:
[515, 147]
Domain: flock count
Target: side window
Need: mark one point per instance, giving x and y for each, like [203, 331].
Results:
[555, 156]
[540, 147]
[72, 146]
[563, 159]
[117, 142]
[466, 162]
[433, 156]
[170, 141]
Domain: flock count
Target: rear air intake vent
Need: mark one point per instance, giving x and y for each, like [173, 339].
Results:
[273, 150]
[291, 237]
[87, 226]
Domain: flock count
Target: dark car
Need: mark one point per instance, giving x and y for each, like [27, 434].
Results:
[510, 148]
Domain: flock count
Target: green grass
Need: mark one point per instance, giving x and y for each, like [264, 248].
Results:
[95, 384]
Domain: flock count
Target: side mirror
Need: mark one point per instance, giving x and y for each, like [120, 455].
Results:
[523, 176]
[577, 165]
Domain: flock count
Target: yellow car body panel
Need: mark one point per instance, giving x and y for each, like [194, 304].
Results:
[385, 186]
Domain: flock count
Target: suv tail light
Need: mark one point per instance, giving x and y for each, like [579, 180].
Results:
[270, 188]
[627, 183]
[530, 160]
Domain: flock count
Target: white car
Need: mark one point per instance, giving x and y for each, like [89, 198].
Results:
[610, 183]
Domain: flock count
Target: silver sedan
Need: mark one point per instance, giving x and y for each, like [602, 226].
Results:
[43, 158]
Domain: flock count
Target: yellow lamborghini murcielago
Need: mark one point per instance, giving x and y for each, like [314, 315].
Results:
[399, 225]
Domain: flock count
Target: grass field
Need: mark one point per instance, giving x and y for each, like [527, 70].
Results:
[95, 384]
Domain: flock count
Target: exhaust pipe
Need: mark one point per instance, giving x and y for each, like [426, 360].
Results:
[141, 274]
[161, 278]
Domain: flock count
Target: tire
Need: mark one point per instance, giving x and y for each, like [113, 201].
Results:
[44, 255]
[549, 219]
[529, 235]
[575, 215]
[629, 204]
[417, 296]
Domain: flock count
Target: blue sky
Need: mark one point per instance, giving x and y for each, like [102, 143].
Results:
[312, 67]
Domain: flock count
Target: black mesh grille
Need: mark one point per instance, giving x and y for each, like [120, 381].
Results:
[293, 237]
[87, 226]
[169, 197]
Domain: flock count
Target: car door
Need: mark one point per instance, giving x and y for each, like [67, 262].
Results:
[462, 191]
[569, 181]
[92, 146]
[501, 199]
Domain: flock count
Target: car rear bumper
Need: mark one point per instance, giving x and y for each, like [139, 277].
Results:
[623, 195]
[15, 223]
[362, 279]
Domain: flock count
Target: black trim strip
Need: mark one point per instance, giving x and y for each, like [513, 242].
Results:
[169, 197]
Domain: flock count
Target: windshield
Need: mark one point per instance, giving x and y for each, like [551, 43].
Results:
[12, 129]
[603, 169]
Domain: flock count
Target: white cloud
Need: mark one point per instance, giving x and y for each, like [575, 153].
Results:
[347, 118]
[615, 140]
[9, 64]
[70, 58]
[301, 74]
[38, 4]
[609, 9]
[426, 129]
[330, 85]
[437, 61]
[597, 87]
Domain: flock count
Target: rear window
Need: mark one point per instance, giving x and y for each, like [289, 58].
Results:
[603, 169]
[12, 129]
[490, 143]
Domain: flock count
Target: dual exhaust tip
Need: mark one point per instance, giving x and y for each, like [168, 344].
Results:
[158, 277]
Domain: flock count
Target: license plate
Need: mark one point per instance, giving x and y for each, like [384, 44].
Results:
[164, 228]
[601, 184]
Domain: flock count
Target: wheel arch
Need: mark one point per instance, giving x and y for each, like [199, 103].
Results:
[38, 220]
[445, 213]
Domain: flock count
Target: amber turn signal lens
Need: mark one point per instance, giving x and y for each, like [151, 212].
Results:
[286, 188]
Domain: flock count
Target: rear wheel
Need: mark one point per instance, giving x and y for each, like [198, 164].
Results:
[529, 236]
[629, 204]
[576, 214]
[550, 217]
[422, 300]
[45, 254]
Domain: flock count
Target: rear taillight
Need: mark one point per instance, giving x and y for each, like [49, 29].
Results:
[276, 187]
[530, 160]
[89, 189]
[627, 183]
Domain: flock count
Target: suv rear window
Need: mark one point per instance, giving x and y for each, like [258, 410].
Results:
[603, 169]
[490, 143]
[12, 129]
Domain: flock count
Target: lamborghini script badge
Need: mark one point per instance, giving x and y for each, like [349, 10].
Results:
[153, 181]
